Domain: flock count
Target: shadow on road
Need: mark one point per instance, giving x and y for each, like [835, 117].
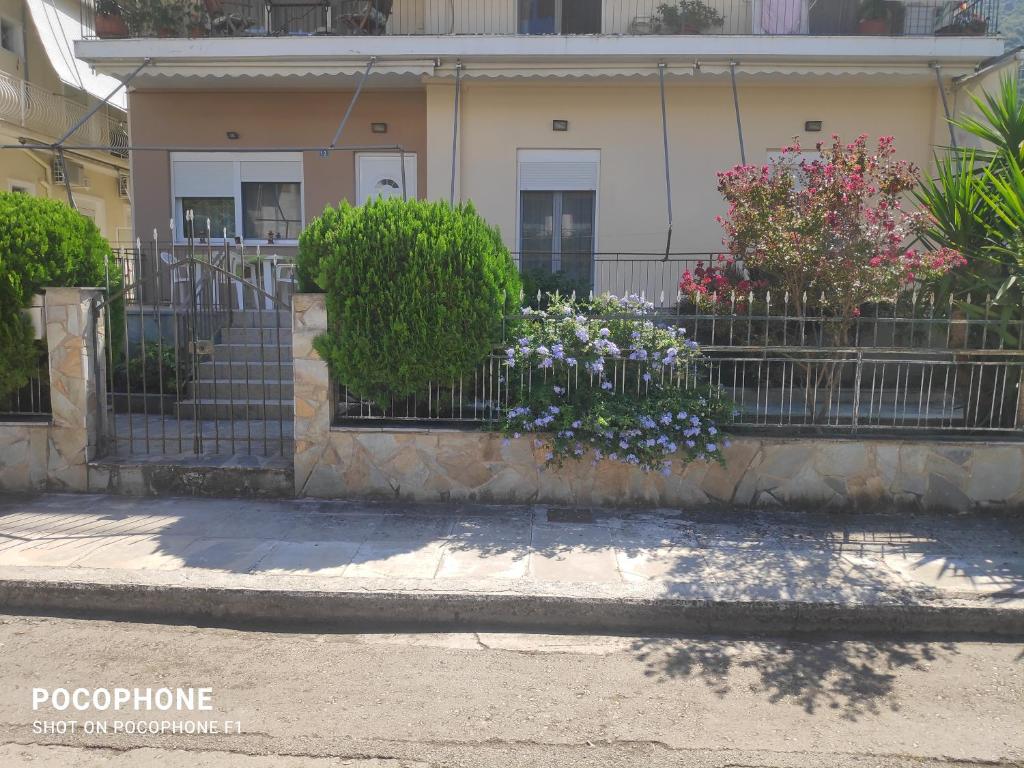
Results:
[855, 678]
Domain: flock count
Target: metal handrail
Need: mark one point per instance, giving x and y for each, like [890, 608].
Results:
[29, 106]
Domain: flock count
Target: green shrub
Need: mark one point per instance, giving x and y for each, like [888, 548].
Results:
[548, 283]
[160, 370]
[42, 243]
[315, 244]
[416, 291]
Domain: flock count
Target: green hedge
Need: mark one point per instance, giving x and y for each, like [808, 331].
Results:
[42, 243]
[417, 293]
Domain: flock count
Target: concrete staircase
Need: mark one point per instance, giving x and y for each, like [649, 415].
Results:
[249, 374]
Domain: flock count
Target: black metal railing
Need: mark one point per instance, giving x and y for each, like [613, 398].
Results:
[909, 365]
[201, 360]
[238, 18]
[33, 399]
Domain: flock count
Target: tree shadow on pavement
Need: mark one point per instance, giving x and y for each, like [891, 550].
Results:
[855, 678]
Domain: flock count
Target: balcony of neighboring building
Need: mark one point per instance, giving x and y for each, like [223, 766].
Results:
[36, 114]
[627, 18]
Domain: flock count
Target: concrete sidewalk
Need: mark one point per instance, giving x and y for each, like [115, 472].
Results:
[362, 565]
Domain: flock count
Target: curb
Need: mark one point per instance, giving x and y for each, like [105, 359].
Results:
[366, 611]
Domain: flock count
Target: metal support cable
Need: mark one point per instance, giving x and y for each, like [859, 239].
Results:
[145, 63]
[352, 103]
[455, 129]
[736, 107]
[401, 162]
[668, 174]
[945, 105]
[67, 178]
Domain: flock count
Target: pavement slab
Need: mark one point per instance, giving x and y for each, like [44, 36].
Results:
[585, 563]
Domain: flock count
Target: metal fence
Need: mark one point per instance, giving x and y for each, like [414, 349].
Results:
[654, 274]
[31, 401]
[912, 364]
[234, 18]
[201, 359]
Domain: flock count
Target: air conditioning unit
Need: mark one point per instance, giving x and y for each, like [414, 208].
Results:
[123, 189]
[69, 172]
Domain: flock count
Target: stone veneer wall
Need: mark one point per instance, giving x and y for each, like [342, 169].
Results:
[440, 464]
[54, 454]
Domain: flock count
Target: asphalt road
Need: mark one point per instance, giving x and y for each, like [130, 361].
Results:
[308, 700]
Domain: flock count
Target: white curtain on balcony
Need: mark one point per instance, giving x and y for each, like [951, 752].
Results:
[59, 24]
[780, 17]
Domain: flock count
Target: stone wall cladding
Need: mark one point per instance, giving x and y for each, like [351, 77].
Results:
[54, 454]
[314, 458]
[466, 465]
[24, 455]
[440, 465]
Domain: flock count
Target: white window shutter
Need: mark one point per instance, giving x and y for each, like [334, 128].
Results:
[559, 170]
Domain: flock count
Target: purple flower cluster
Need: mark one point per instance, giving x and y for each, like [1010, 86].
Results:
[601, 382]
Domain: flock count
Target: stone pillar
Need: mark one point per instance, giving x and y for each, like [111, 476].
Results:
[314, 408]
[76, 344]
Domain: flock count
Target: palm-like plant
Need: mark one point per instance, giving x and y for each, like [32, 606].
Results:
[976, 199]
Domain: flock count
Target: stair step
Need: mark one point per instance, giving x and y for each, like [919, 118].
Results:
[255, 335]
[268, 353]
[251, 318]
[242, 369]
[240, 389]
[209, 408]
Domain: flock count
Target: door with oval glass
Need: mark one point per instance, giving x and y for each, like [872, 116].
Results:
[380, 175]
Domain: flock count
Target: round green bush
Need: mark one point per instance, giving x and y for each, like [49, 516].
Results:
[42, 243]
[417, 293]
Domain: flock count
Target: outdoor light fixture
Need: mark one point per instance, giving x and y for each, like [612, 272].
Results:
[812, 126]
[233, 135]
[379, 127]
[559, 125]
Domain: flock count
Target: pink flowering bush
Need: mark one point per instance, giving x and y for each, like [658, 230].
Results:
[610, 384]
[718, 285]
[833, 226]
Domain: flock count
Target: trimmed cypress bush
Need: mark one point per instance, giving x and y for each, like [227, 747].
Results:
[42, 243]
[417, 293]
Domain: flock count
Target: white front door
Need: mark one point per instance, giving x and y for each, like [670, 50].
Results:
[380, 175]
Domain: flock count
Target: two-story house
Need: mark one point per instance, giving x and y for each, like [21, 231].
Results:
[585, 129]
[44, 92]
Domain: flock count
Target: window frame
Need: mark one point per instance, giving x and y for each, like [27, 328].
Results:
[236, 159]
[17, 185]
[16, 37]
[577, 157]
[288, 223]
[559, 19]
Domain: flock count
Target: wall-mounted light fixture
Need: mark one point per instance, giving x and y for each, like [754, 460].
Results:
[559, 125]
[379, 127]
[812, 126]
[232, 135]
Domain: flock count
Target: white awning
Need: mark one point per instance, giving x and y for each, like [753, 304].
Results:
[59, 24]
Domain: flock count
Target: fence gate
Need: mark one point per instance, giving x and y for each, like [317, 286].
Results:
[199, 356]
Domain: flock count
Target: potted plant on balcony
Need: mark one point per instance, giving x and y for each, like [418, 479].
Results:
[875, 18]
[688, 17]
[109, 21]
[965, 22]
[198, 20]
[170, 18]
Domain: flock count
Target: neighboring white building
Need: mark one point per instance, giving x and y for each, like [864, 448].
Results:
[44, 91]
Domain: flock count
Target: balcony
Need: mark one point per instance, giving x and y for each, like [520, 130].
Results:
[51, 115]
[261, 18]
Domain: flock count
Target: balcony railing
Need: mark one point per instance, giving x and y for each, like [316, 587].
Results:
[239, 18]
[52, 115]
